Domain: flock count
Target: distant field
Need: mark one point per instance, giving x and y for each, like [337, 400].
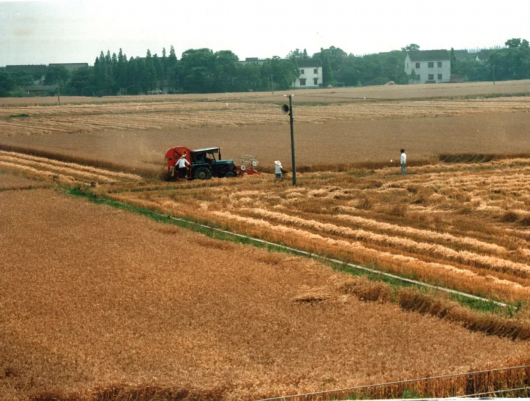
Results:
[331, 143]
[95, 299]
[325, 95]
[136, 135]
[38, 120]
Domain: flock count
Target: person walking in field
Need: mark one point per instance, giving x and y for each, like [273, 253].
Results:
[183, 165]
[403, 162]
[278, 169]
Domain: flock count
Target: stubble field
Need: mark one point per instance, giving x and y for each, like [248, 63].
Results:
[136, 135]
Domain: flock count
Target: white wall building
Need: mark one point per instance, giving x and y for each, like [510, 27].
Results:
[429, 66]
[310, 74]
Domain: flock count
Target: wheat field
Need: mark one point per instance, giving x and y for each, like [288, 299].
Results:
[99, 303]
[96, 300]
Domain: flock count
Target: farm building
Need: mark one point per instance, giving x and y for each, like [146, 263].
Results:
[252, 60]
[428, 66]
[39, 90]
[70, 66]
[310, 74]
[36, 70]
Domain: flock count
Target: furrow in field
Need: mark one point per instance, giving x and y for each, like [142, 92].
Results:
[421, 248]
[461, 278]
[57, 169]
[40, 173]
[78, 167]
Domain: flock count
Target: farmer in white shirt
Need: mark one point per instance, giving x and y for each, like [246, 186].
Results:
[403, 162]
[182, 165]
[278, 170]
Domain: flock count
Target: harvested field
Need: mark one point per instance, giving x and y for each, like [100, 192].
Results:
[68, 119]
[334, 95]
[460, 226]
[60, 172]
[328, 143]
[112, 305]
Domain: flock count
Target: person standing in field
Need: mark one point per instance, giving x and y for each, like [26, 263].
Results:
[403, 162]
[278, 169]
[183, 165]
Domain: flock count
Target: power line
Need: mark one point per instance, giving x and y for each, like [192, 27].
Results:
[395, 382]
[494, 392]
[340, 262]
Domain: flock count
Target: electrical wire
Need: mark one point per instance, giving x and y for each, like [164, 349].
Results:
[394, 383]
[493, 392]
[340, 262]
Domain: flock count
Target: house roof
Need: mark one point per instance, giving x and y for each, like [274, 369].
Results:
[70, 66]
[31, 68]
[429, 55]
[309, 63]
[40, 87]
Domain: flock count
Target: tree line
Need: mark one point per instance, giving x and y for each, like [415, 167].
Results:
[206, 71]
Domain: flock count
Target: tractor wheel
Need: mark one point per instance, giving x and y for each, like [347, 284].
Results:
[229, 175]
[203, 173]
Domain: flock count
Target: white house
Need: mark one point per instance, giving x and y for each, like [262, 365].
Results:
[310, 74]
[428, 66]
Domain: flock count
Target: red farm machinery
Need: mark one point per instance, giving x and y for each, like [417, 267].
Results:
[205, 163]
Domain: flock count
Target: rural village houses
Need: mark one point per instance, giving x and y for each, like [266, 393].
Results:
[428, 66]
[310, 74]
[39, 71]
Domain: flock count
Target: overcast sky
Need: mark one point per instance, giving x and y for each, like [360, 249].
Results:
[44, 32]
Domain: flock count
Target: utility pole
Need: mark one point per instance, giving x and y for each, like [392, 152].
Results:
[292, 138]
[272, 85]
[289, 110]
[493, 75]
[58, 94]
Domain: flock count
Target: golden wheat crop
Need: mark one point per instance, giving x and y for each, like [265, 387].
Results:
[121, 304]
[439, 224]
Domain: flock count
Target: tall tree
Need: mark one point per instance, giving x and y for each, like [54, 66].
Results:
[411, 47]
[55, 74]
[82, 82]
[6, 83]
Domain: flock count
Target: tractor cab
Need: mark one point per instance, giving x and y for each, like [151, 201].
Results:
[205, 163]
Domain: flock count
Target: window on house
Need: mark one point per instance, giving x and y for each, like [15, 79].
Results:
[315, 80]
[302, 81]
[302, 72]
[439, 77]
[439, 64]
[315, 71]
[417, 65]
[431, 64]
[431, 77]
